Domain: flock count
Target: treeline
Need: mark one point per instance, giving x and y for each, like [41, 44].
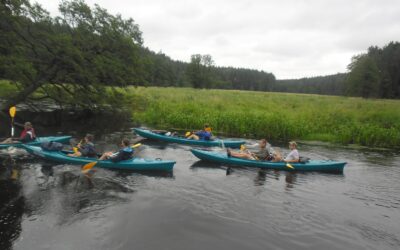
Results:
[161, 70]
[322, 85]
[375, 74]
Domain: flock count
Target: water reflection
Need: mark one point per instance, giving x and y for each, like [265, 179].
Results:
[261, 177]
[64, 191]
[213, 204]
[290, 178]
[12, 203]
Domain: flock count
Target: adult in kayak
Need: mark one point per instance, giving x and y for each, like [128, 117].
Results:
[125, 153]
[204, 134]
[27, 135]
[263, 153]
[293, 156]
[87, 149]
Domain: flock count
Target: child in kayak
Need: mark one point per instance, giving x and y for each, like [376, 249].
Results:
[204, 134]
[263, 154]
[125, 153]
[86, 149]
[293, 156]
[27, 135]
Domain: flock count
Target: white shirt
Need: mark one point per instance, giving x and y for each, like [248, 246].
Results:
[293, 155]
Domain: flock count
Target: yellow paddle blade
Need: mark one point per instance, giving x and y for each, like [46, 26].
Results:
[12, 111]
[88, 166]
[136, 145]
[187, 134]
[242, 147]
[289, 166]
[75, 149]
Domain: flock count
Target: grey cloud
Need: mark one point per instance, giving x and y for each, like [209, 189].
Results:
[291, 38]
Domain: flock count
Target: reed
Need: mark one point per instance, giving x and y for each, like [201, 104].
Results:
[277, 116]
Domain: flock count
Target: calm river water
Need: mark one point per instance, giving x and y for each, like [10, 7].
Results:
[200, 205]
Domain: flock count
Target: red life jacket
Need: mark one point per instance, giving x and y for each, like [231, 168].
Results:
[29, 131]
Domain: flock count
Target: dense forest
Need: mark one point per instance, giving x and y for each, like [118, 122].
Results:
[74, 56]
[376, 73]
[322, 85]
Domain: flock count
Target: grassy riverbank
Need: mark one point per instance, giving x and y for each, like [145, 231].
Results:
[277, 116]
[280, 116]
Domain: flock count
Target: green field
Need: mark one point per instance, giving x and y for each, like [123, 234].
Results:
[277, 116]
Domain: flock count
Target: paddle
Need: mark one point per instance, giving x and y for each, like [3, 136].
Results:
[289, 166]
[75, 149]
[136, 145]
[12, 112]
[85, 171]
[86, 168]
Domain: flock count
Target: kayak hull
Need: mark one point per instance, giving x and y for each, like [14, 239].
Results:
[132, 164]
[38, 141]
[173, 139]
[313, 165]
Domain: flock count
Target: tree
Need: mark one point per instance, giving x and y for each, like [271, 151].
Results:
[69, 59]
[199, 71]
[363, 80]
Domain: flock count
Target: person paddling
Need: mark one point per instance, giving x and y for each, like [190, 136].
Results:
[87, 149]
[262, 154]
[125, 153]
[27, 135]
[204, 134]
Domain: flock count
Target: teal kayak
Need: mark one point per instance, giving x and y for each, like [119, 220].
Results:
[312, 165]
[132, 164]
[38, 141]
[211, 143]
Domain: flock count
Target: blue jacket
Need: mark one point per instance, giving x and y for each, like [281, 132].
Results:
[123, 154]
[88, 150]
[204, 135]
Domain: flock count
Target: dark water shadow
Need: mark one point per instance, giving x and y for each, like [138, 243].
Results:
[12, 203]
[78, 194]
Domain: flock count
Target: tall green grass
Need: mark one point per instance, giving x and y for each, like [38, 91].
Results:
[279, 116]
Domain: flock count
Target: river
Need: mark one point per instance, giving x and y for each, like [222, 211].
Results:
[199, 205]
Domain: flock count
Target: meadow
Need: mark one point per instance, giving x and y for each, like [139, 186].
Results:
[276, 116]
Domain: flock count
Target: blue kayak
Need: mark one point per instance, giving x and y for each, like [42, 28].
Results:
[211, 143]
[313, 165]
[132, 164]
[38, 141]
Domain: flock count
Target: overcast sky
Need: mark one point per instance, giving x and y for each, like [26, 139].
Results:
[290, 38]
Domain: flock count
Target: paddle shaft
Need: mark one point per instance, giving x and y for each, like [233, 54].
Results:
[12, 111]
